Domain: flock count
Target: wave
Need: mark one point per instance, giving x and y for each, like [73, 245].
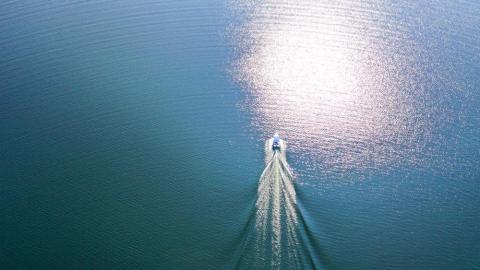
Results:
[276, 235]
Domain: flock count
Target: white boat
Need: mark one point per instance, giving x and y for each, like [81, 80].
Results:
[276, 142]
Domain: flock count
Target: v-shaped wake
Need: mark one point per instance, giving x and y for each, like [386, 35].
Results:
[276, 240]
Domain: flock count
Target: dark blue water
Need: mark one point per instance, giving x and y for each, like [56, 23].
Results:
[132, 135]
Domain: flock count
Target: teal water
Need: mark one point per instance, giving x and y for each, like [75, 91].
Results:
[132, 135]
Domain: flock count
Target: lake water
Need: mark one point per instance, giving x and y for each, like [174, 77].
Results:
[133, 133]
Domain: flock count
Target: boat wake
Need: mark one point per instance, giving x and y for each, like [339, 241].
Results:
[275, 239]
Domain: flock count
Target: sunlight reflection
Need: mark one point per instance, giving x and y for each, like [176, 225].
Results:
[322, 76]
[301, 75]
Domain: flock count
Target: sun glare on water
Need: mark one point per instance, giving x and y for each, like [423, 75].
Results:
[301, 75]
[321, 76]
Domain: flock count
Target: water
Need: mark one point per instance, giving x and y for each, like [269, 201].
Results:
[132, 135]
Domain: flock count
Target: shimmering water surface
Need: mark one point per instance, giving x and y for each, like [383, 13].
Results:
[132, 135]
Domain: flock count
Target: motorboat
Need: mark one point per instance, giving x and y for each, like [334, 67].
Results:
[276, 142]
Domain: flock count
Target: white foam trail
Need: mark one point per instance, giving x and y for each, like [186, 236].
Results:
[275, 239]
[275, 217]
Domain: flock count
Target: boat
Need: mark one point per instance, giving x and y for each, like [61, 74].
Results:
[276, 142]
